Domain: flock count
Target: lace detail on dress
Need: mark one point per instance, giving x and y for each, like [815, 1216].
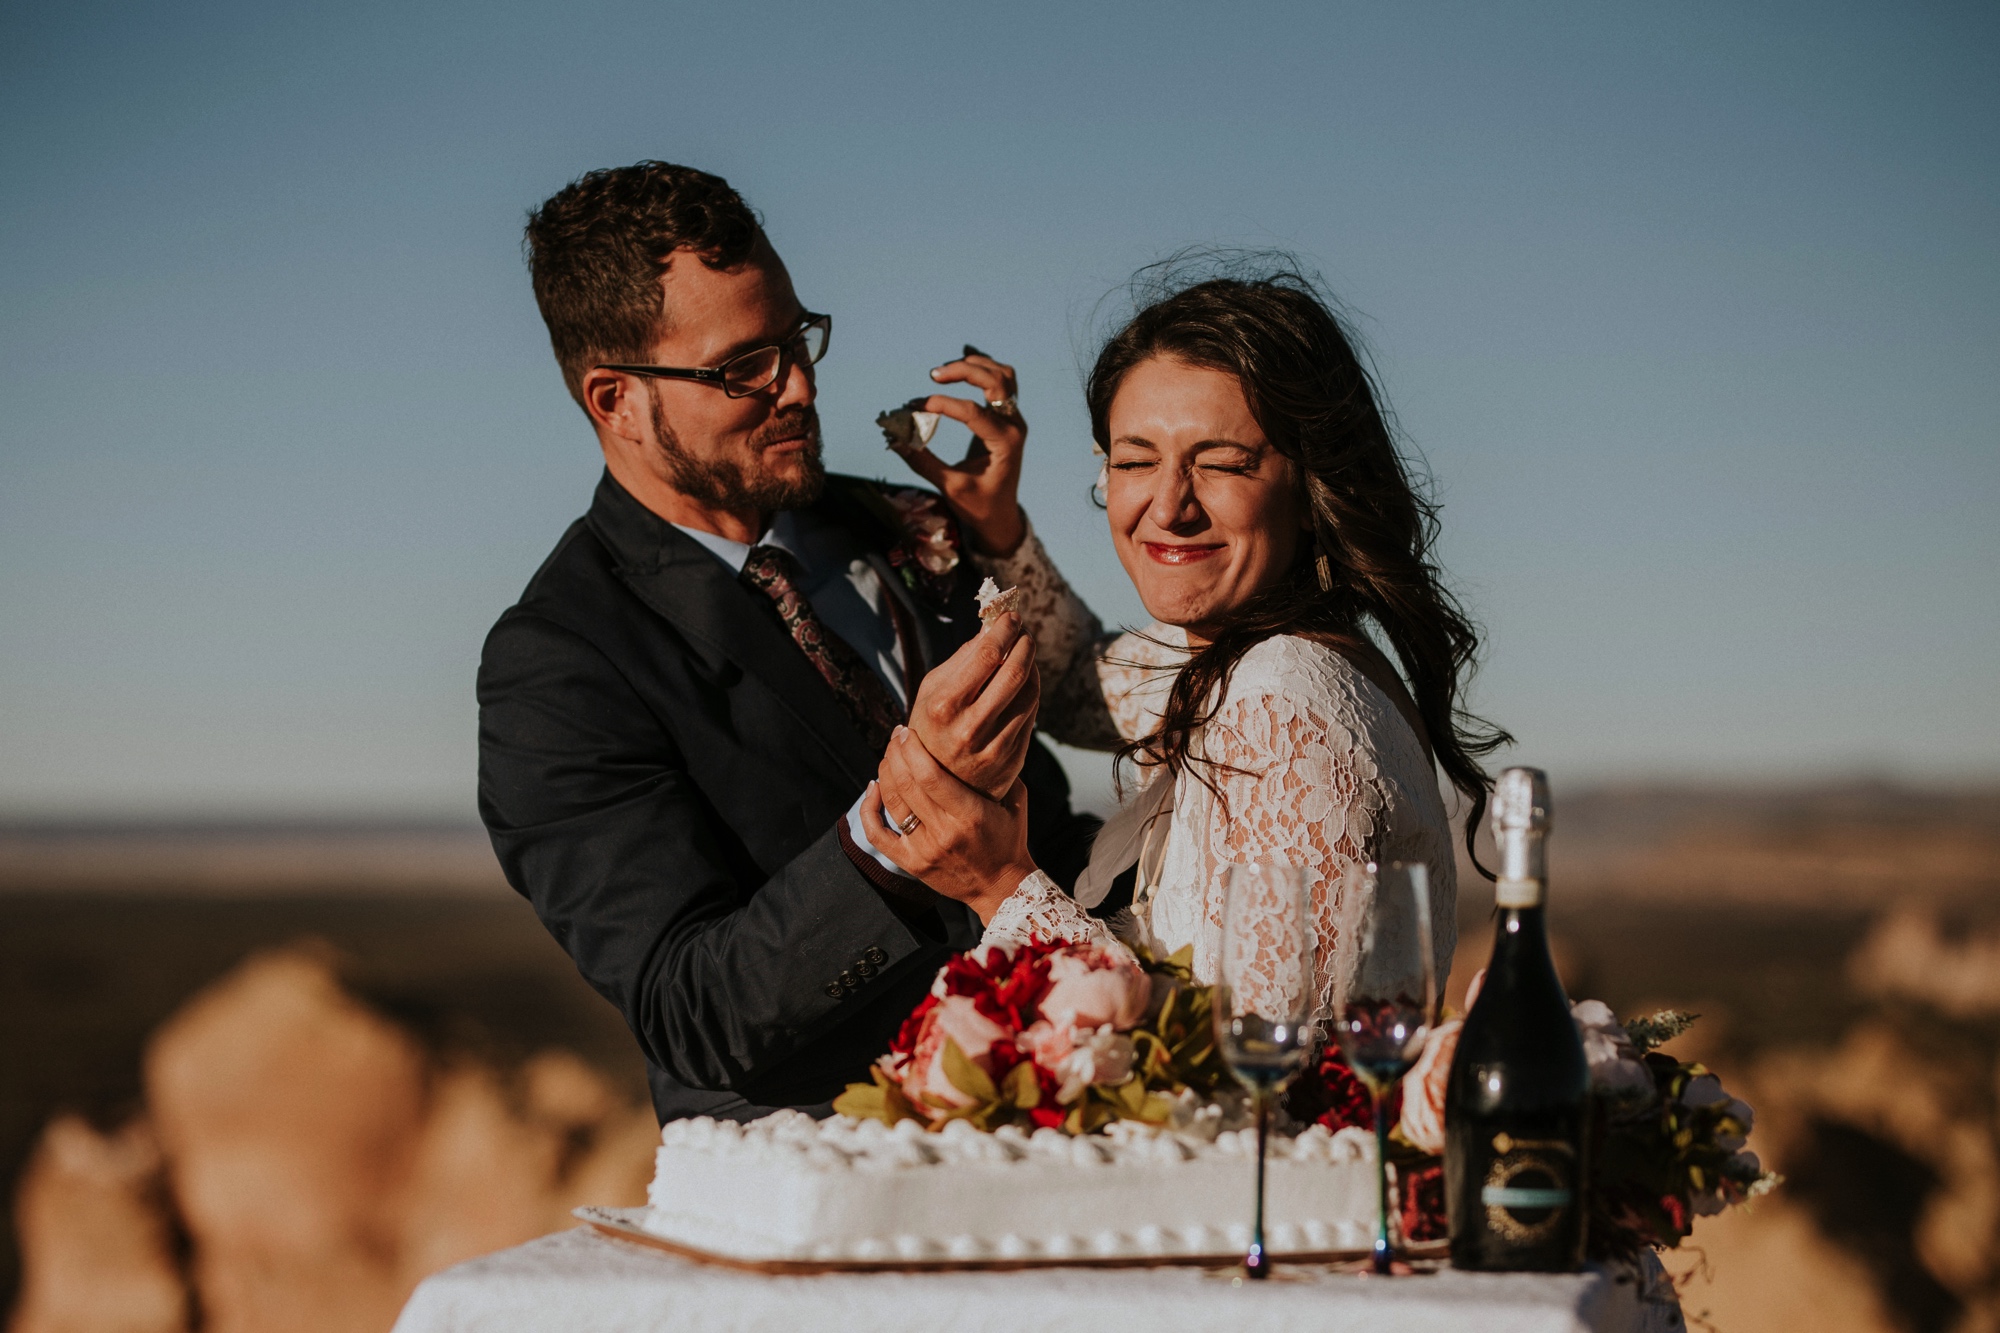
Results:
[1038, 908]
[1326, 776]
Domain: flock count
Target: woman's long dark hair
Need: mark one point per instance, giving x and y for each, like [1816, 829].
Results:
[1374, 529]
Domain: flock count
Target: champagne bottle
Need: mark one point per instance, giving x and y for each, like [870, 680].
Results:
[1517, 1103]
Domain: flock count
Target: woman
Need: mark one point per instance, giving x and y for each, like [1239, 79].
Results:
[1258, 503]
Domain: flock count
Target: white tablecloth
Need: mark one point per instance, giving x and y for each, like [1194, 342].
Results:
[583, 1282]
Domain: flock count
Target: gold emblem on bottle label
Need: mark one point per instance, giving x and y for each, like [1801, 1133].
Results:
[1528, 1190]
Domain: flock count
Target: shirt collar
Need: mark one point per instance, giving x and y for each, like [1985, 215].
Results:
[783, 534]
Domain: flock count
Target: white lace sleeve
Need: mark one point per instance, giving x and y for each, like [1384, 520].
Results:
[1302, 792]
[1068, 638]
[1039, 909]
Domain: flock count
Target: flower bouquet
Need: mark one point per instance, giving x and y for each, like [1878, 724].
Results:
[1061, 1036]
[1078, 1037]
[1667, 1146]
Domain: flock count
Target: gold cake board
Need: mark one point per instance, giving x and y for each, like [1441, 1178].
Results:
[622, 1224]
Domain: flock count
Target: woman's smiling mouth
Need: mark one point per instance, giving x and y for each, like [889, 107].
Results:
[1169, 554]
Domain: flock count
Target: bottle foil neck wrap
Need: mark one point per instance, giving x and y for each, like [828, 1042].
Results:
[1520, 892]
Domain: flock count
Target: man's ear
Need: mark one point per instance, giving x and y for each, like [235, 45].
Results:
[614, 403]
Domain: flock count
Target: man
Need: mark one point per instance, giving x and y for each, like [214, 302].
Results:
[679, 717]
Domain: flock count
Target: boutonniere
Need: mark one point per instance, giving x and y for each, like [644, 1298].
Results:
[929, 551]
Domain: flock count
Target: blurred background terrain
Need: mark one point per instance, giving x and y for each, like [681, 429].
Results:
[270, 1076]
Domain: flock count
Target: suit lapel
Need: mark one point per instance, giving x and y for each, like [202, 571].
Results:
[672, 573]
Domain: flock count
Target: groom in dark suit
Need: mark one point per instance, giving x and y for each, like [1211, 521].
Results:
[679, 717]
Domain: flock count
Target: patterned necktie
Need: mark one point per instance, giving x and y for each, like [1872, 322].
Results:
[777, 574]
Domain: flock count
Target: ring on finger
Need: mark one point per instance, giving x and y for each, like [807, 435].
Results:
[1010, 406]
[908, 824]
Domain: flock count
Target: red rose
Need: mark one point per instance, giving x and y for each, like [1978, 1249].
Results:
[1420, 1197]
[1333, 1096]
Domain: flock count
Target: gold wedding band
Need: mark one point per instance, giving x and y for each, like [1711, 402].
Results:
[908, 824]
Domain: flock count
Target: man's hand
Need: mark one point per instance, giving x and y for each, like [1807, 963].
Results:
[975, 711]
[954, 839]
[984, 489]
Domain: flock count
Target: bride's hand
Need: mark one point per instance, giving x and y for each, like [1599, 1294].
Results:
[984, 489]
[962, 844]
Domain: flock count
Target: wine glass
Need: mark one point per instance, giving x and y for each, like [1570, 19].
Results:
[1264, 1005]
[1384, 1010]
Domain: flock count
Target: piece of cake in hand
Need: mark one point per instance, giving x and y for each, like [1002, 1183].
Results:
[908, 428]
[995, 602]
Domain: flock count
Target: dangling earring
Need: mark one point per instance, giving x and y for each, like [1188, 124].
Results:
[1322, 567]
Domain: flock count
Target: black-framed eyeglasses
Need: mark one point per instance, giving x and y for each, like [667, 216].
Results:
[759, 368]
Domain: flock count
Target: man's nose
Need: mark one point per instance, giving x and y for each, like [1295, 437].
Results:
[797, 387]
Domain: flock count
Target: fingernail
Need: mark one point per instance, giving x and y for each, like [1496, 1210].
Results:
[900, 732]
[934, 374]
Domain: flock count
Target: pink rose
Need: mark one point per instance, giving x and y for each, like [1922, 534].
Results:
[1048, 1045]
[1423, 1088]
[1090, 987]
[955, 1017]
[1104, 1056]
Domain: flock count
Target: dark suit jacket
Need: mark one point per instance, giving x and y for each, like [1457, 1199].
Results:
[664, 777]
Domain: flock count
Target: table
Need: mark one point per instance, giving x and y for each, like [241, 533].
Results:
[583, 1282]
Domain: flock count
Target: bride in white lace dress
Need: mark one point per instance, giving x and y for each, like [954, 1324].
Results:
[1257, 501]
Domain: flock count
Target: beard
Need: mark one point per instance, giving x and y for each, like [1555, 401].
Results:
[745, 482]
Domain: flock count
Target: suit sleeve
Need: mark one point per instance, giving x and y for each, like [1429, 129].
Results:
[597, 821]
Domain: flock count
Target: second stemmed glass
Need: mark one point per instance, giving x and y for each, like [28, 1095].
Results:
[1384, 1011]
[1263, 1010]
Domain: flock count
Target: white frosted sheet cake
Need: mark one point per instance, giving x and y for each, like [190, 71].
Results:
[788, 1187]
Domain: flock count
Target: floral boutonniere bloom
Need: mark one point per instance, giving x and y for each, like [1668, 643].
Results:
[931, 544]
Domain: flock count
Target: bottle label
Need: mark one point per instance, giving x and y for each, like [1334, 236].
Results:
[1528, 1188]
[1519, 893]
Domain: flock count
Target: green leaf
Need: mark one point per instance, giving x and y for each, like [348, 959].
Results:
[863, 1101]
[967, 1077]
[1022, 1090]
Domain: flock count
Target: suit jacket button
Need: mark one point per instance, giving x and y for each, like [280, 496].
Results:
[849, 980]
[835, 989]
[876, 956]
[864, 969]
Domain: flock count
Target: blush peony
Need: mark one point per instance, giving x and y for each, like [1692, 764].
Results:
[958, 1018]
[1103, 1057]
[1089, 988]
[1424, 1086]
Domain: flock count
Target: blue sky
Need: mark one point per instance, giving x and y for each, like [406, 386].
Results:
[1693, 312]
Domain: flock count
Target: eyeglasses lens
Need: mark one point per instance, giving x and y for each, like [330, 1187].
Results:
[812, 340]
[751, 371]
[757, 369]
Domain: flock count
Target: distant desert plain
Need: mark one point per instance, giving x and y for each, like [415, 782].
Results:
[265, 1076]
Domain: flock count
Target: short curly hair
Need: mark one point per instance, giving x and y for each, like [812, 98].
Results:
[596, 249]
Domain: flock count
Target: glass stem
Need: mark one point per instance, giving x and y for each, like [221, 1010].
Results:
[1383, 1254]
[1257, 1263]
